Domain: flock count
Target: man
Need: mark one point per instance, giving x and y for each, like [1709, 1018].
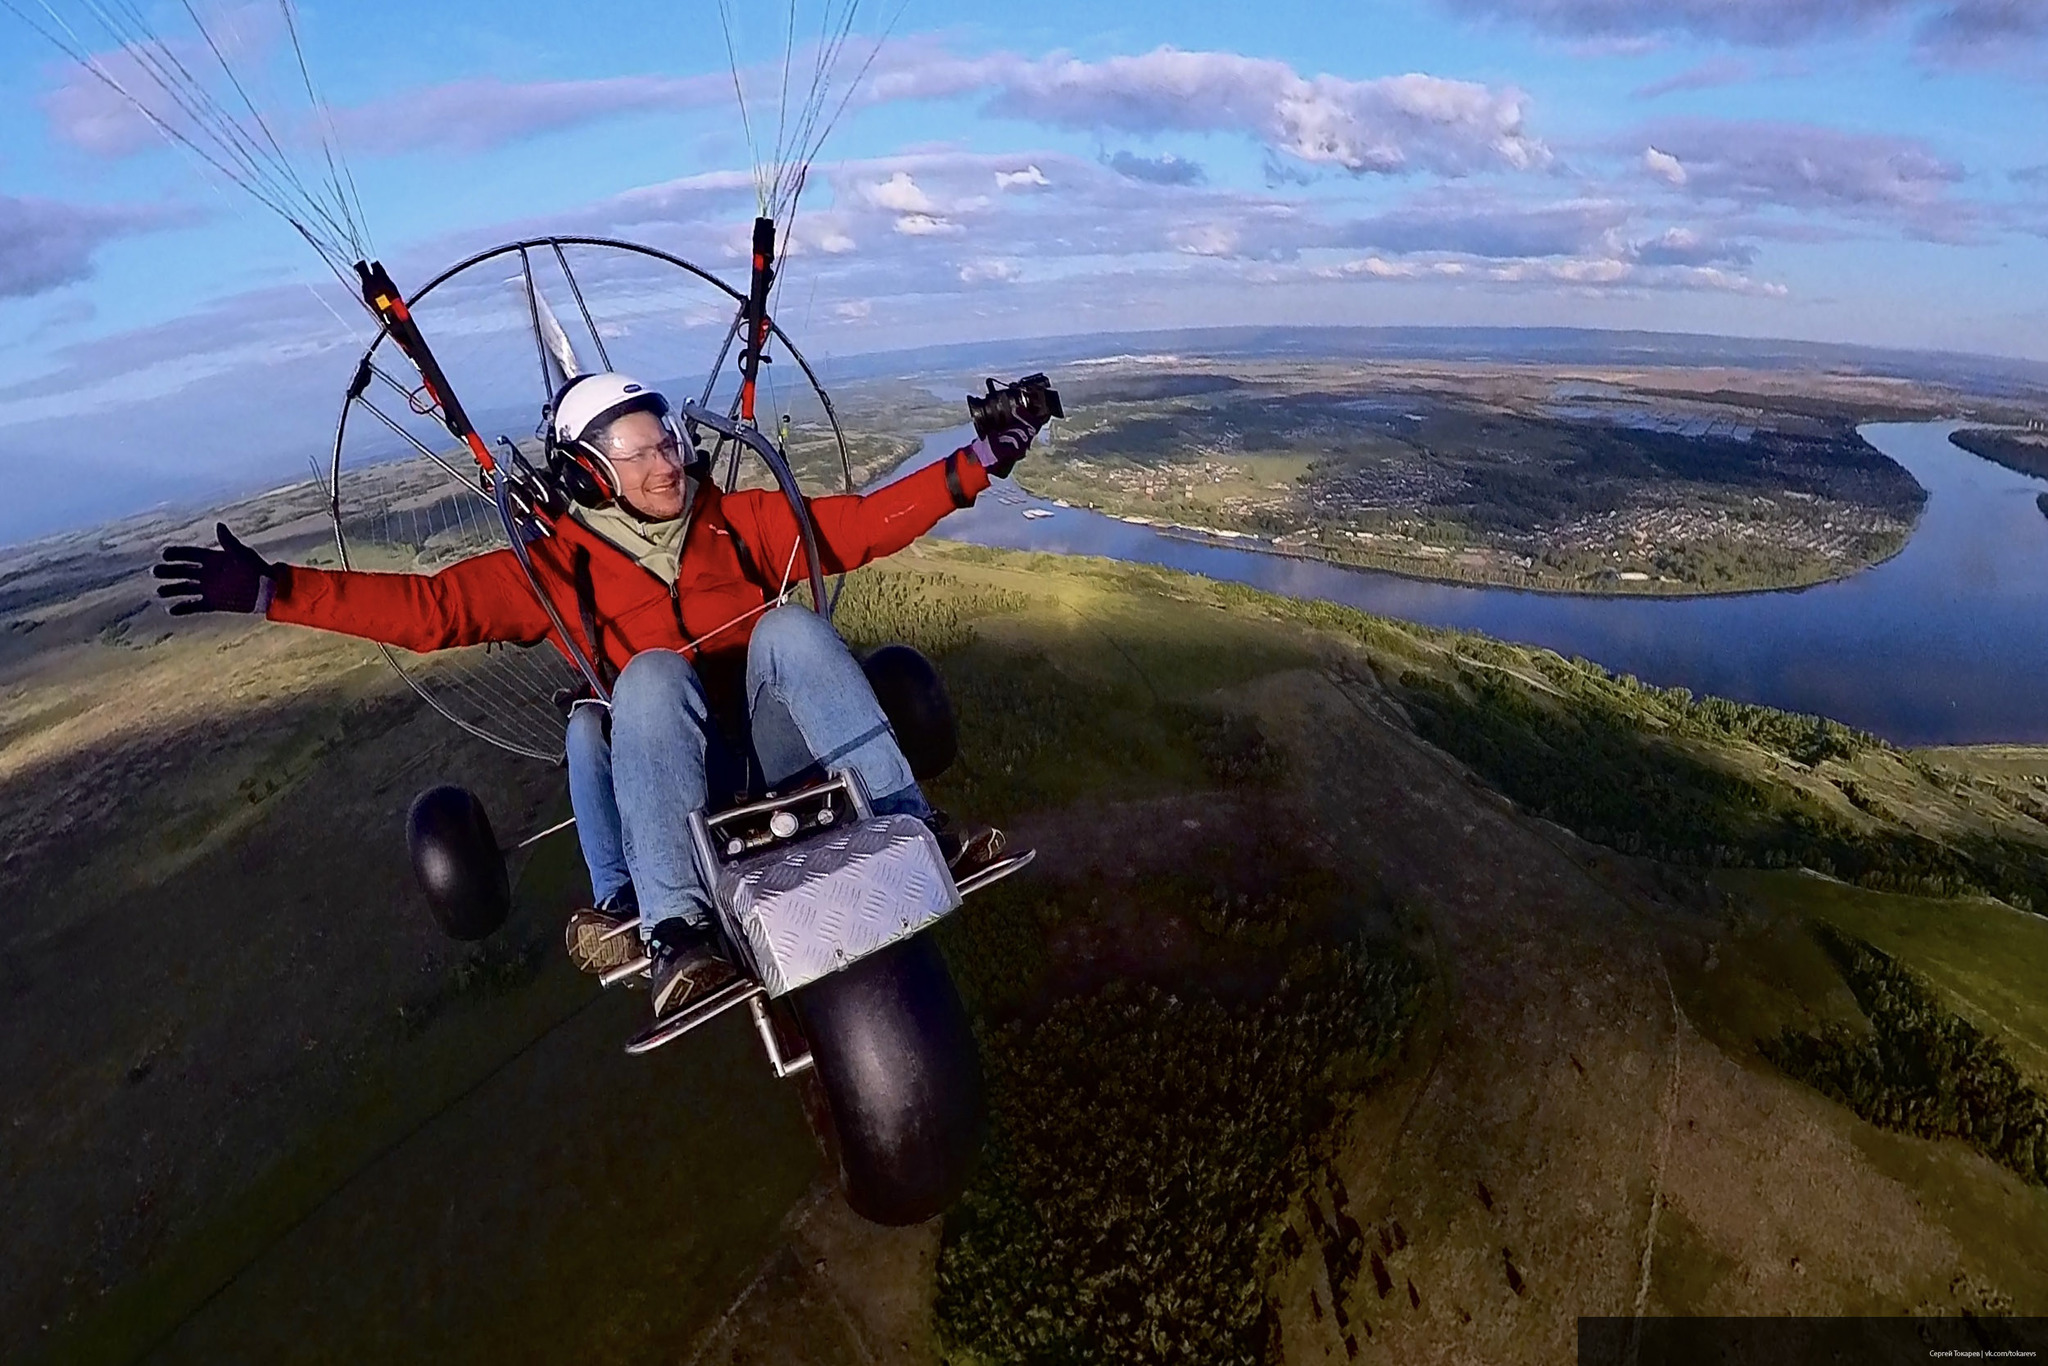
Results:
[675, 588]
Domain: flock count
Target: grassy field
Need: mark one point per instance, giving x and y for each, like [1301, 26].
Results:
[1990, 961]
[1346, 941]
[1768, 971]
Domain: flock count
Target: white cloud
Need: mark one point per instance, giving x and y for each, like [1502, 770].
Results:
[1488, 223]
[1206, 239]
[1664, 166]
[898, 194]
[1942, 30]
[990, 270]
[1681, 246]
[86, 110]
[1763, 22]
[925, 225]
[45, 244]
[1386, 125]
[1165, 169]
[1599, 274]
[832, 242]
[1380, 268]
[1028, 178]
[1708, 75]
[1811, 168]
[475, 115]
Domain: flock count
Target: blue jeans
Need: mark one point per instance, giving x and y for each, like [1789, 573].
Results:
[807, 703]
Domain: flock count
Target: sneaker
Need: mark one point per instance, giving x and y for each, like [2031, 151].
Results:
[597, 938]
[968, 847]
[687, 966]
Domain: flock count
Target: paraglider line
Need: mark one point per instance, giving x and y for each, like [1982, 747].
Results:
[457, 475]
[330, 142]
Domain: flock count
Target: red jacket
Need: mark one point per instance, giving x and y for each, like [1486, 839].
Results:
[733, 559]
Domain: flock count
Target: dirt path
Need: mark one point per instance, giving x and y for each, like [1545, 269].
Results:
[1521, 1175]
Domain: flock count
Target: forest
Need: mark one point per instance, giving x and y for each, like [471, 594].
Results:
[2025, 453]
[1919, 1067]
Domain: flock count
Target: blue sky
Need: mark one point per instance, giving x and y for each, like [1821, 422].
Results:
[1845, 170]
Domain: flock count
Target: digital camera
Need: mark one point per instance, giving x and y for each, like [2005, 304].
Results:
[1031, 399]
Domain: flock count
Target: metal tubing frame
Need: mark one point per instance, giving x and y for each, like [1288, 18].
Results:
[824, 604]
[341, 548]
[596, 338]
[501, 486]
[710, 1008]
[537, 836]
[625, 971]
[995, 872]
[540, 345]
[555, 244]
[765, 1027]
[749, 435]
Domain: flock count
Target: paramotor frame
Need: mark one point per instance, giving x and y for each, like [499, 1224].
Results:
[515, 708]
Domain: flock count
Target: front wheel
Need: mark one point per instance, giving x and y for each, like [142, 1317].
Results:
[457, 861]
[897, 1059]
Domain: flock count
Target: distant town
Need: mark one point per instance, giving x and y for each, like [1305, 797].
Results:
[1527, 476]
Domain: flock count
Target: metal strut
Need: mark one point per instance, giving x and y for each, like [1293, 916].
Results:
[389, 305]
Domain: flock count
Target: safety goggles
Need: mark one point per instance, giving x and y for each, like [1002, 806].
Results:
[670, 449]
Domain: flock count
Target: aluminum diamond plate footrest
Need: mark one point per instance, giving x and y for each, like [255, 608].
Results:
[805, 909]
[673, 1027]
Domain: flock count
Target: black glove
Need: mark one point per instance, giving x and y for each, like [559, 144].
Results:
[1008, 416]
[1006, 447]
[233, 578]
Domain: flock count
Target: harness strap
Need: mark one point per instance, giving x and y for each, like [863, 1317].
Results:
[748, 567]
[586, 606]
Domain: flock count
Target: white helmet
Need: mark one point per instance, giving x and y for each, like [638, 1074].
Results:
[577, 419]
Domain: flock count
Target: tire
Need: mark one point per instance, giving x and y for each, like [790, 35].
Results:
[913, 697]
[456, 858]
[896, 1056]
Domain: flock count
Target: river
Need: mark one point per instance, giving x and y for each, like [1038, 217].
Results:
[1941, 644]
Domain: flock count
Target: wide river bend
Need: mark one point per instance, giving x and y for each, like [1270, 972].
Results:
[1941, 644]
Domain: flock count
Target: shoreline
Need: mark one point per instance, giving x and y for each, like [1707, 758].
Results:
[1260, 546]
[1878, 650]
[1216, 538]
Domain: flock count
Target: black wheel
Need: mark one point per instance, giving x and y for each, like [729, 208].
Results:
[457, 861]
[914, 698]
[901, 1073]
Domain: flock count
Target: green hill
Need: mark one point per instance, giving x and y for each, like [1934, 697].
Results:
[1379, 993]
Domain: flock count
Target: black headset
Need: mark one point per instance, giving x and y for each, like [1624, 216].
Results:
[578, 468]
